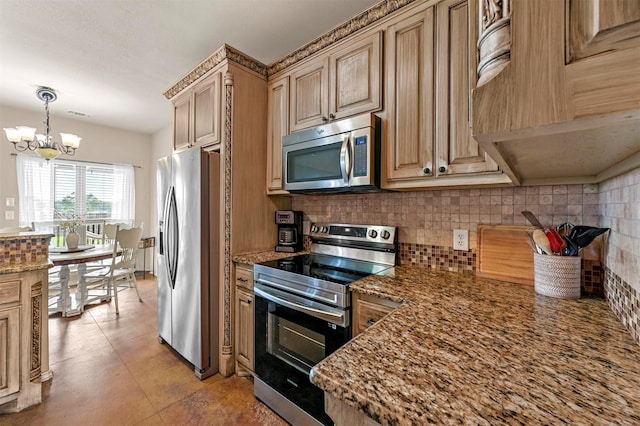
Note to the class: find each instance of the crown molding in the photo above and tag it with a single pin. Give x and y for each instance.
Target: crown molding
(224, 53)
(362, 20)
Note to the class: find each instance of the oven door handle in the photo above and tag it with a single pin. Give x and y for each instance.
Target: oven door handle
(335, 318)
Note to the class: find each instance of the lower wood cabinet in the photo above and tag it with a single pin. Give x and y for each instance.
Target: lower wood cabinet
(23, 339)
(244, 319)
(367, 310)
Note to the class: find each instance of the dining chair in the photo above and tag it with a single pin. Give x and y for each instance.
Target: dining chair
(122, 269)
(107, 236)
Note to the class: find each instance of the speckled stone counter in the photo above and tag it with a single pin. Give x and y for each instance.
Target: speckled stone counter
(262, 256)
(467, 350)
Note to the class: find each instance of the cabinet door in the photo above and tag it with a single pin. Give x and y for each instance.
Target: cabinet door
(309, 103)
(457, 151)
(355, 78)
(206, 111)
(599, 26)
(9, 351)
(367, 310)
(277, 127)
(244, 328)
(410, 98)
(182, 121)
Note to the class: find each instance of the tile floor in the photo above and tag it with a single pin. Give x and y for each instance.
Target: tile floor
(112, 370)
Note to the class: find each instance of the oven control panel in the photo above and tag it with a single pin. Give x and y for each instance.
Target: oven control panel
(360, 233)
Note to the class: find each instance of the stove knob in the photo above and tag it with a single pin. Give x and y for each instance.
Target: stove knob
(314, 228)
(325, 230)
(373, 233)
(385, 234)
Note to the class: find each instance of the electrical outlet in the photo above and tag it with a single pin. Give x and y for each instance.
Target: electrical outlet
(461, 239)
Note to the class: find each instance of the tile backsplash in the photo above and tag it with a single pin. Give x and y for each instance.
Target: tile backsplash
(429, 217)
(619, 209)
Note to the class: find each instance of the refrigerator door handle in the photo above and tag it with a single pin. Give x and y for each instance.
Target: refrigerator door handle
(171, 236)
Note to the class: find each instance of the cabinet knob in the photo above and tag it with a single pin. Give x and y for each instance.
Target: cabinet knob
(249, 302)
(371, 321)
(325, 119)
(332, 116)
(426, 170)
(442, 169)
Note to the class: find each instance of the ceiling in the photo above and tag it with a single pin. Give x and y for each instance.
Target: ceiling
(112, 60)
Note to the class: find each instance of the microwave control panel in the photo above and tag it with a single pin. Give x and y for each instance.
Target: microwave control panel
(360, 157)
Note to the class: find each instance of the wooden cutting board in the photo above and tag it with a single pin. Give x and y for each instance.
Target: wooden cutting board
(503, 253)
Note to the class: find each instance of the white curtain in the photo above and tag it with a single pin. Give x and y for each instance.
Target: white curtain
(123, 201)
(35, 189)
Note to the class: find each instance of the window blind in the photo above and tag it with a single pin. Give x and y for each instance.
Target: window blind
(95, 192)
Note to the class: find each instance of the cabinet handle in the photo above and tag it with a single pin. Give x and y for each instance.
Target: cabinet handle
(442, 169)
(243, 280)
(371, 321)
(331, 116)
(426, 170)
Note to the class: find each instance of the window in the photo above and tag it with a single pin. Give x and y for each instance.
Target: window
(96, 192)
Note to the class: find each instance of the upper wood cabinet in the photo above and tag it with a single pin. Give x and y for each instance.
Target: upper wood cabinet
(558, 81)
(355, 77)
(599, 26)
(343, 81)
(409, 142)
(309, 94)
(457, 152)
(277, 127)
(197, 114)
(430, 74)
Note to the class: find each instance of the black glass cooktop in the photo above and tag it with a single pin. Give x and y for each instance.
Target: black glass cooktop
(336, 269)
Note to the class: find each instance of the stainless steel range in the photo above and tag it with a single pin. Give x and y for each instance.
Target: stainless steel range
(303, 312)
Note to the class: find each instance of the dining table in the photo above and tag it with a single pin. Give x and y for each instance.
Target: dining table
(64, 257)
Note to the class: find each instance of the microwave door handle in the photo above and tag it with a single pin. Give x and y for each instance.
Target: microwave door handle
(345, 160)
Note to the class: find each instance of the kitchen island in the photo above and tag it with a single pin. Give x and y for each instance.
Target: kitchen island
(467, 350)
(24, 338)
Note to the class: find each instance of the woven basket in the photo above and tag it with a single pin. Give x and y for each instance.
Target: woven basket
(557, 276)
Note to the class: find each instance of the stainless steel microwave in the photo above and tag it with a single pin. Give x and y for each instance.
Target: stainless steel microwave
(340, 156)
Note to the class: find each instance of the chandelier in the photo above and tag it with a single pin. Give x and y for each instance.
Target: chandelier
(24, 137)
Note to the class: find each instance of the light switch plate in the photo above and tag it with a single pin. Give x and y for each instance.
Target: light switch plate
(8, 215)
(10, 202)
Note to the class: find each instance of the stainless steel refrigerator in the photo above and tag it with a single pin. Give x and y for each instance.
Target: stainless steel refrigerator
(188, 185)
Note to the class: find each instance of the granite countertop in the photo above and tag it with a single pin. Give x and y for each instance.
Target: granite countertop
(24, 235)
(23, 267)
(468, 350)
(263, 256)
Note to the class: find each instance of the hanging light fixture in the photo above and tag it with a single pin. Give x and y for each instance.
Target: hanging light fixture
(24, 137)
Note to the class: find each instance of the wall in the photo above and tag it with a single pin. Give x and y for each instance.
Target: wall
(426, 219)
(99, 143)
(619, 209)
(161, 146)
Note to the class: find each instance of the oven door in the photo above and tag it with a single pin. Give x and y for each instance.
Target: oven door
(288, 343)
